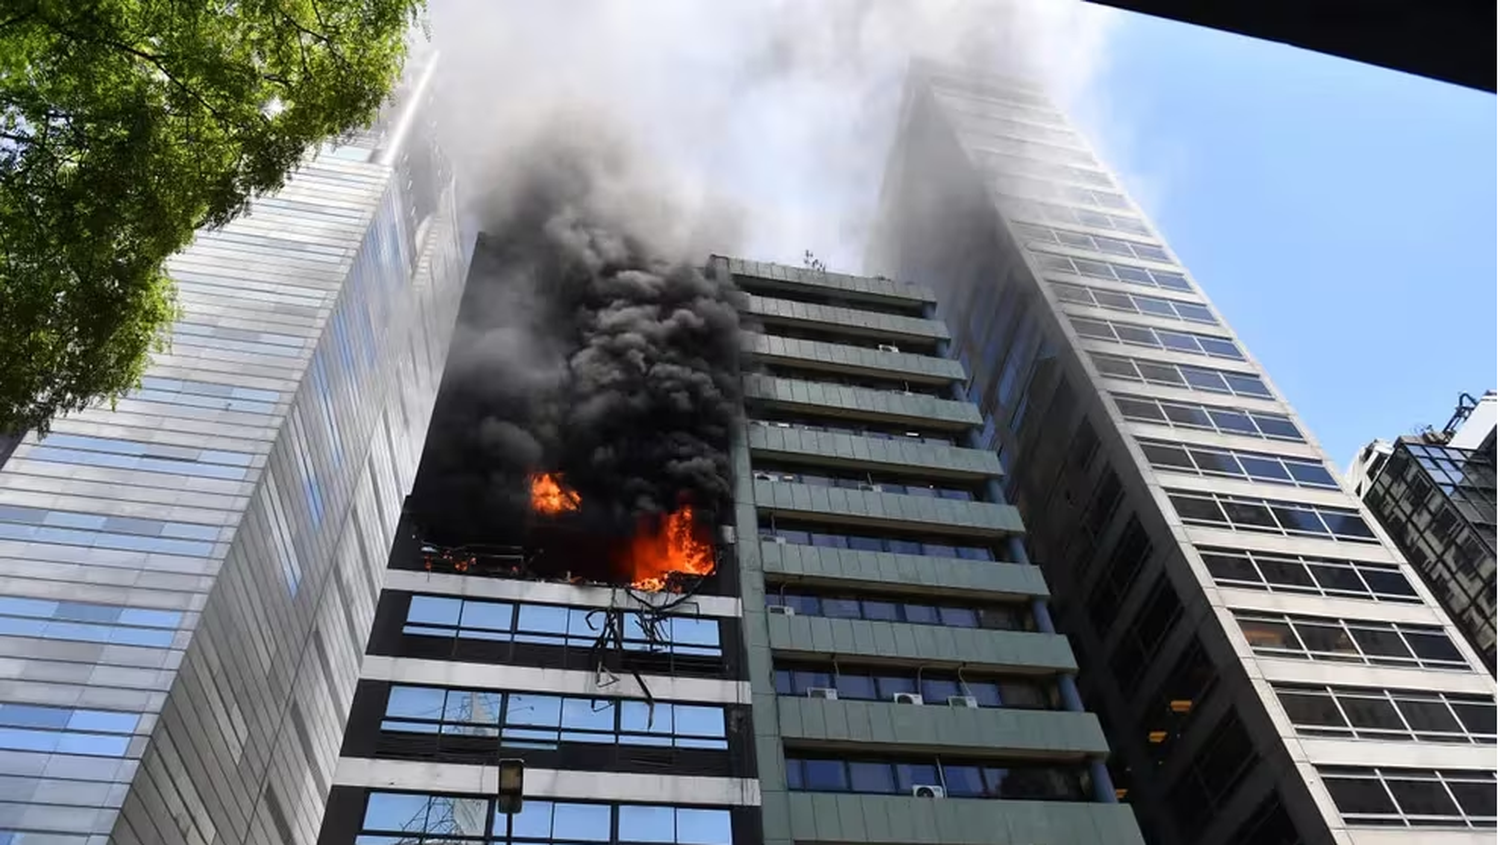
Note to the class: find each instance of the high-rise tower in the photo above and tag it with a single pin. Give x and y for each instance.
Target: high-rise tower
(1268, 668)
(872, 661)
(187, 580)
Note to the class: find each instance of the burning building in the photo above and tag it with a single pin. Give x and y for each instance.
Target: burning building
(795, 516)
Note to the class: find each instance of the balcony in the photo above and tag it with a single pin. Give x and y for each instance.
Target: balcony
(928, 646)
(878, 726)
(770, 276)
(934, 576)
(890, 327)
(835, 505)
(836, 449)
(898, 820)
(854, 360)
(861, 403)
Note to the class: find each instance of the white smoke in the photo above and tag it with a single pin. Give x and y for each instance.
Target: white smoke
(763, 124)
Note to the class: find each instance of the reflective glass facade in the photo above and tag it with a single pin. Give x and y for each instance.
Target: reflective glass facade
(1202, 554)
(186, 580)
(1437, 502)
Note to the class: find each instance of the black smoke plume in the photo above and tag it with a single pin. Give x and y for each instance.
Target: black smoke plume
(583, 349)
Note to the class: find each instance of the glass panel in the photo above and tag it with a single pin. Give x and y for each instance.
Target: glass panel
(1189, 415)
(1288, 573)
(1346, 524)
(1137, 409)
(1359, 795)
(959, 617)
(415, 703)
(1161, 373)
(1249, 514)
(1311, 474)
(1276, 426)
(1298, 520)
(1422, 797)
(857, 687)
(1429, 716)
(431, 610)
(1478, 717)
(1166, 456)
(1337, 578)
(1231, 568)
(963, 781)
(1262, 633)
(1325, 638)
(1311, 708)
(647, 824)
(490, 616)
(395, 812)
(1380, 641)
(1204, 380)
(538, 710)
(872, 777)
(1371, 713)
(1433, 646)
(825, 775)
(703, 827)
(1194, 508)
(1476, 799)
(1264, 469)
(1387, 582)
(915, 774)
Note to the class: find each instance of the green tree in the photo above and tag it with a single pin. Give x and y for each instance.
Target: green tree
(127, 124)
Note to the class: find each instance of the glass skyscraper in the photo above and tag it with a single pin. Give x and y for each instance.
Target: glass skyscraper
(1268, 668)
(187, 580)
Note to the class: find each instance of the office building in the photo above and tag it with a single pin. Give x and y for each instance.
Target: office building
(872, 660)
(187, 580)
(1268, 668)
(1434, 493)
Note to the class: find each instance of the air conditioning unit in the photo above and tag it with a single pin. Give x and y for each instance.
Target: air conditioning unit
(926, 791)
(886, 347)
(781, 610)
(968, 701)
(780, 540)
(826, 693)
(907, 698)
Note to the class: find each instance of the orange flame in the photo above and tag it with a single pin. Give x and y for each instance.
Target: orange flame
(548, 495)
(674, 545)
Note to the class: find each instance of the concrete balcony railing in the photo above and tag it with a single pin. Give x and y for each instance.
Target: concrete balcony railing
(930, 646)
(836, 449)
(933, 728)
(835, 505)
(767, 275)
(854, 360)
(901, 820)
(861, 403)
(909, 574)
(891, 327)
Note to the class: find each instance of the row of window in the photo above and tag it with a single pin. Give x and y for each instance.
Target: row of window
(1284, 573)
(1035, 234)
(1390, 714)
(1412, 797)
(238, 340)
(66, 730)
(872, 543)
(1238, 463)
(95, 623)
(1110, 271)
(1154, 338)
(148, 457)
(71, 528)
(524, 719)
(1015, 781)
(936, 688)
(979, 92)
(1151, 306)
(1180, 375)
(1004, 163)
(854, 482)
(1339, 640)
(857, 431)
(1051, 213)
(204, 394)
(1009, 144)
(1007, 102)
(979, 113)
(547, 624)
(1183, 414)
(1043, 189)
(1247, 513)
(1014, 617)
(452, 820)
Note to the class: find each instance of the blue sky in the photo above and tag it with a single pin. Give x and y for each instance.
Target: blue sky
(1341, 216)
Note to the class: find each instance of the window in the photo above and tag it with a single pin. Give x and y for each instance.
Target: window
(1047, 236)
(546, 624)
(389, 815)
(1151, 306)
(1180, 375)
(959, 778)
(1140, 640)
(1226, 756)
(1017, 692)
(1407, 715)
(1180, 414)
(857, 430)
(1268, 825)
(1004, 165)
(1129, 555)
(545, 721)
(204, 394)
(1178, 698)
(871, 543)
(1282, 573)
(106, 532)
(1112, 272)
(96, 623)
(1001, 617)
(1052, 213)
(1237, 463)
(1154, 338)
(66, 730)
(1245, 513)
(990, 142)
(1412, 797)
(1376, 643)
